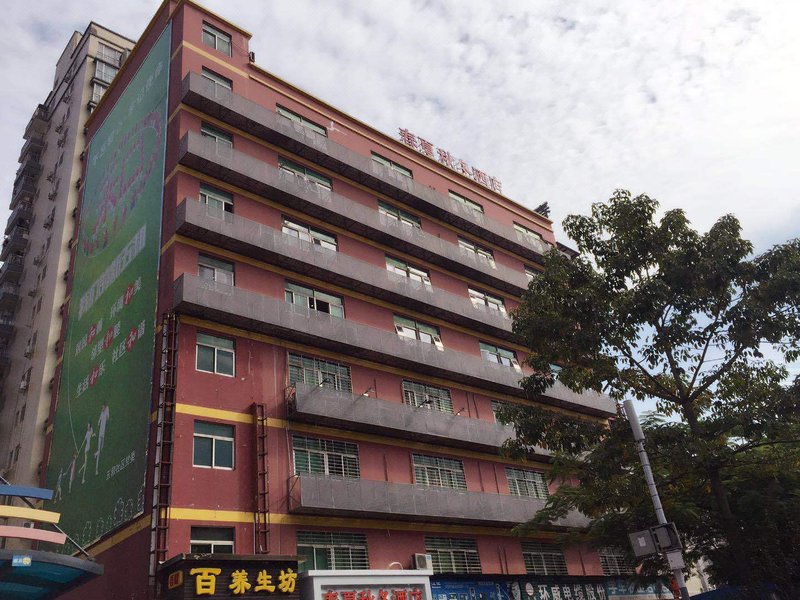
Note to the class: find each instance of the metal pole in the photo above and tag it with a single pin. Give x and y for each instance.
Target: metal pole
(638, 436)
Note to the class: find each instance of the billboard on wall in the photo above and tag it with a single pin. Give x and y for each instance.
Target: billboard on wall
(98, 453)
(528, 587)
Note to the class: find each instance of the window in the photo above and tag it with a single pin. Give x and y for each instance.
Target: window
(216, 198)
(485, 300)
(439, 472)
(528, 232)
(466, 202)
(218, 79)
(213, 445)
(219, 40)
(398, 214)
(543, 559)
(522, 482)
(314, 299)
(325, 457)
(309, 234)
(500, 356)
(325, 550)
(614, 561)
(223, 140)
(496, 405)
(391, 165)
(305, 173)
(104, 72)
(293, 116)
(414, 330)
(453, 555)
(419, 394)
(215, 355)
(317, 372)
(212, 540)
(108, 54)
(476, 249)
(403, 268)
(98, 89)
(531, 273)
(214, 269)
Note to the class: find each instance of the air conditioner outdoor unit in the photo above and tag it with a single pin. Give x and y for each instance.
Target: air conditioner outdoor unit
(28, 524)
(423, 561)
(23, 386)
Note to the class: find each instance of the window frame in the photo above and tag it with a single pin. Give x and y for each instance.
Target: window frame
(309, 234)
(303, 172)
(101, 66)
(398, 214)
(217, 266)
(95, 97)
(298, 118)
(401, 267)
(220, 197)
(429, 469)
(467, 548)
(220, 136)
(477, 249)
(338, 374)
(393, 166)
(551, 557)
(313, 299)
(108, 54)
(429, 396)
(217, 34)
(404, 326)
(219, 80)
(214, 439)
(500, 353)
(614, 561)
(336, 540)
(527, 483)
(479, 298)
(531, 273)
(338, 458)
(226, 543)
(464, 201)
(216, 349)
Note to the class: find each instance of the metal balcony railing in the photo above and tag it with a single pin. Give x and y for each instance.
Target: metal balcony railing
(11, 270)
(9, 296)
(20, 216)
(24, 189)
(16, 242)
(38, 123)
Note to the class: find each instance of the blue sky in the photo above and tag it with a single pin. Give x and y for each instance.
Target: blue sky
(694, 103)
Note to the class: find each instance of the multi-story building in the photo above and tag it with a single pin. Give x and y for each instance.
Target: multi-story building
(36, 249)
(327, 338)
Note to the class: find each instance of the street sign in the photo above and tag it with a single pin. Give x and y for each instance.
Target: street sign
(675, 559)
(642, 543)
(21, 560)
(666, 537)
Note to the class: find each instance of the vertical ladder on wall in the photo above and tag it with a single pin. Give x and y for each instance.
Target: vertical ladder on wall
(165, 418)
(261, 513)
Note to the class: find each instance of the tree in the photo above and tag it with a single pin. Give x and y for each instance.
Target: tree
(655, 310)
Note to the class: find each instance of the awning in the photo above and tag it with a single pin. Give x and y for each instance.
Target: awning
(47, 576)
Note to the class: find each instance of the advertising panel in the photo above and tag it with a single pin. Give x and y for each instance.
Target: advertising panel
(97, 458)
(529, 587)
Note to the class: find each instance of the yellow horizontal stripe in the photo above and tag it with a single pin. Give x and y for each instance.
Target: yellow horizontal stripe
(214, 413)
(122, 535)
(29, 514)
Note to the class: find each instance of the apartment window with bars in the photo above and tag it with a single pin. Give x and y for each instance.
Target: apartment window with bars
(213, 269)
(398, 214)
(438, 471)
(476, 249)
(484, 299)
(309, 234)
(318, 372)
(213, 445)
(325, 457)
(403, 268)
(293, 116)
(382, 160)
(218, 79)
(614, 561)
(496, 406)
(428, 396)
(522, 482)
(543, 559)
(303, 172)
(499, 355)
(219, 40)
(212, 540)
(216, 198)
(98, 89)
(466, 202)
(105, 72)
(414, 330)
(324, 550)
(215, 354)
(314, 299)
(223, 140)
(453, 555)
(108, 54)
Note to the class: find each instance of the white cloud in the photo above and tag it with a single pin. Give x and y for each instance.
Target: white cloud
(693, 103)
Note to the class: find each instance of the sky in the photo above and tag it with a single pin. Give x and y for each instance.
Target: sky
(693, 103)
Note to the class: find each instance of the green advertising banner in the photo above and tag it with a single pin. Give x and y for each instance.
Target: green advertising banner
(98, 454)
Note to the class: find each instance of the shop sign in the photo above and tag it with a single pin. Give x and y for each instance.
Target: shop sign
(374, 593)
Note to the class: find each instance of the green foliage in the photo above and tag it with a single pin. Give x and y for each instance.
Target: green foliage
(652, 309)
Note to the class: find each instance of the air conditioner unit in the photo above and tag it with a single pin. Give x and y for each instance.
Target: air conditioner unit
(423, 561)
(23, 386)
(28, 524)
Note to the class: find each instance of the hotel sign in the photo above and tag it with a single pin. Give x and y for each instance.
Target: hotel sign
(448, 160)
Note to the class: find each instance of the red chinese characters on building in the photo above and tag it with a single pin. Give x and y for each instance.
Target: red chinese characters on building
(448, 160)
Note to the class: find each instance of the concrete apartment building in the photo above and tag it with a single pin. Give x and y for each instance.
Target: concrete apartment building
(36, 249)
(287, 335)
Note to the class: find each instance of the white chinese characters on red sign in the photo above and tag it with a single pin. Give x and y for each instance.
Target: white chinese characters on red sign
(448, 160)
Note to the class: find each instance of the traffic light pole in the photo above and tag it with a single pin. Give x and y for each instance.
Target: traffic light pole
(674, 557)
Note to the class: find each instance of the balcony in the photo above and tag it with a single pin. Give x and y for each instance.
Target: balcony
(330, 496)
(324, 406)
(7, 326)
(34, 144)
(245, 171)
(20, 216)
(11, 270)
(237, 111)
(214, 226)
(38, 124)
(273, 316)
(24, 189)
(31, 166)
(16, 242)
(9, 296)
